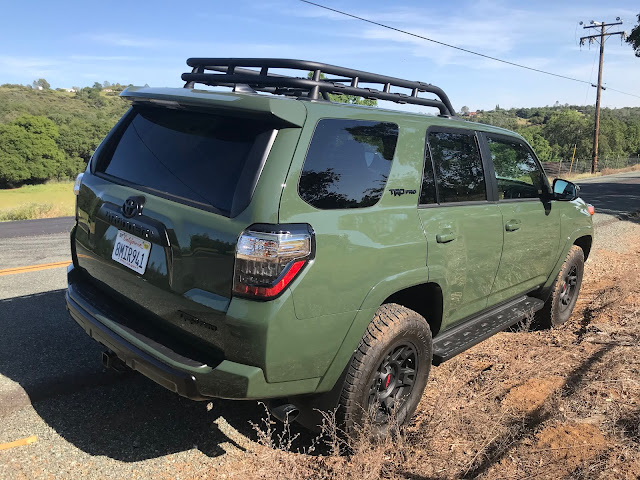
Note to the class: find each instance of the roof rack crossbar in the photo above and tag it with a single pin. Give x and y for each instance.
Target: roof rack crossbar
(233, 71)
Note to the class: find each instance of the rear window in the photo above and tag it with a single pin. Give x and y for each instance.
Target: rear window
(194, 157)
(348, 163)
(458, 167)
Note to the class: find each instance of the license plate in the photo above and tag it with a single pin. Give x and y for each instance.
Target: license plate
(131, 251)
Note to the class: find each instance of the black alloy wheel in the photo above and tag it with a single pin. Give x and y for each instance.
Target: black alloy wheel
(564, 291)
(388, 372)
(568, 288)
(393, 382)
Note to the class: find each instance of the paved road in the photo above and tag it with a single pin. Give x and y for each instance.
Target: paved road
(28, 228)
(52, 384)
(90, 423)
(616, 195)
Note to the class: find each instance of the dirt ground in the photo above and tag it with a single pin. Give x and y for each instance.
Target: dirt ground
(554, 404)
(563, 403)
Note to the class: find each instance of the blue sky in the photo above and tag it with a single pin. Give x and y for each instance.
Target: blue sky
(78, 43)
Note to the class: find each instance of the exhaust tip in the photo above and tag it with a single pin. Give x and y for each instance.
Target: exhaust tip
(286, 412)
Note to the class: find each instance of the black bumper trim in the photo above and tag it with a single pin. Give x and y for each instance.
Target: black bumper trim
(175, 380)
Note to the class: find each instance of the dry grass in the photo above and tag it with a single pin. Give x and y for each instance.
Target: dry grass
(36, 210)
(50, 200)
(563, 403)
(611, 171)
(603, 172)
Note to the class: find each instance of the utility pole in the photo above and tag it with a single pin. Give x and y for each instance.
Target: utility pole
(599, 38)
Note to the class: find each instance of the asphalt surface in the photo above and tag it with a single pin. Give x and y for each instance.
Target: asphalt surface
(45, 226)
(95, 423)
(613, 195)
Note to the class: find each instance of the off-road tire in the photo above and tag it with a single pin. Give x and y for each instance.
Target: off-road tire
(392, 327)
(555, 311)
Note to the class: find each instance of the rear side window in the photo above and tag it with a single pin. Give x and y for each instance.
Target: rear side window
(428, 187)
(189, 156)
(517, 173)
(348, 163)
(458, 167)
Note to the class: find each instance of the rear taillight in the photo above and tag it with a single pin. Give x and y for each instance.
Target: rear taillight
(269, 257)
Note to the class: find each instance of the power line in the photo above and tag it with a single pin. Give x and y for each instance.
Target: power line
(586, 95)
(624, 93)
(454, 47)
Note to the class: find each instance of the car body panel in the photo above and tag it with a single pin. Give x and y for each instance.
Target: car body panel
(527, 255)
(301, 341)
(464, 267)
(351, 241)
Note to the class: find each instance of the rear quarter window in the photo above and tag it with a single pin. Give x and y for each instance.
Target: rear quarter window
(348, 163)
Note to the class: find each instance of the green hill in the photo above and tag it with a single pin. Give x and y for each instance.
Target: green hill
(51, 134)
(553, 131)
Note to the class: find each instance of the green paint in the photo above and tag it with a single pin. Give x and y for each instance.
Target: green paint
(301, 341)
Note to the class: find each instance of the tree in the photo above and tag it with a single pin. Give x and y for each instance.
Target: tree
(28, 151)
(42, 83)
(540, 145)
(97, 86)
(91, 95)
(634, 38)
(350, 99)
(464, 110)
(79, 137)
(566, 128)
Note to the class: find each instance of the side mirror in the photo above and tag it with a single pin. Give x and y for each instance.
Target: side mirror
(565, 190)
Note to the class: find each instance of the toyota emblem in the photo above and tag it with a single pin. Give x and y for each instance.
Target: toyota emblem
(132, 206)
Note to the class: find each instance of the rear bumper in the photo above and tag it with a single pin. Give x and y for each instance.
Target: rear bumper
(173, 370)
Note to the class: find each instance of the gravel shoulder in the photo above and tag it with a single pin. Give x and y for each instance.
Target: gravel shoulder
(522, 404)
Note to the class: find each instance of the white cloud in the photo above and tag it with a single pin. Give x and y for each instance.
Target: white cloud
(30, 66)
(126, 40)
(103, 58)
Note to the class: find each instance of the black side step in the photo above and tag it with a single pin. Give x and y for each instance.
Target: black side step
(464, 336)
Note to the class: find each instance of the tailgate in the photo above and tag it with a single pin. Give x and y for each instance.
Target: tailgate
(160, 211)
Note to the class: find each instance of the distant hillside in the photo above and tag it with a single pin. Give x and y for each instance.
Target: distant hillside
(48, 134)
(553, 131)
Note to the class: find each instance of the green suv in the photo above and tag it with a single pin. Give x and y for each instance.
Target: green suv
(268, 243)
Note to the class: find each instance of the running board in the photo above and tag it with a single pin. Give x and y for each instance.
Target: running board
(464, 336)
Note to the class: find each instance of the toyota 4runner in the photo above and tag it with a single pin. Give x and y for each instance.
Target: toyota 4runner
(268, 243)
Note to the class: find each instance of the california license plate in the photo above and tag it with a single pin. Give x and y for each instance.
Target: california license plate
(131, 251)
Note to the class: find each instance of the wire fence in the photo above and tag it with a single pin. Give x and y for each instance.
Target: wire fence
(583, 165)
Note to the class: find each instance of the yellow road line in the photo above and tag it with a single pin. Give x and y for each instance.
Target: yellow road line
(19, 443)
(33, 268)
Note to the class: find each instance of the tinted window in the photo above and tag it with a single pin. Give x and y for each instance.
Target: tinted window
(348, 163)
(428, 188)
(517, 172)
(458, 165)
(194, 156)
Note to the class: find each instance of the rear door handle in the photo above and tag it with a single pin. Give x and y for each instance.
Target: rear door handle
(512, 225)
(445, 237)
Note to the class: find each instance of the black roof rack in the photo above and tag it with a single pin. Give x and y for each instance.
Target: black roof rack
(231, 73)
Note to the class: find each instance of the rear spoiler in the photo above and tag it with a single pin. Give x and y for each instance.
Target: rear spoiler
(286, 112)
